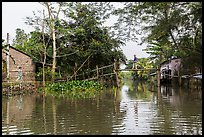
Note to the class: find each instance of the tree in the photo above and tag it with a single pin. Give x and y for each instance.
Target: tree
(79, 36)
(21, 38)
(142, 63)
(173, 27)
(88, 37)
(52, 19)
(50, 26)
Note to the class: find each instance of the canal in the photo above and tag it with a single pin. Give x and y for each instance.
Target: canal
(133, 109)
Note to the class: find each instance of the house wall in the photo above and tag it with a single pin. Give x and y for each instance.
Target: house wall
(173, 65)
(22, 60)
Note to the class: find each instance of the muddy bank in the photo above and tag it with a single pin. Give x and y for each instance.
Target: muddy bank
(15, 88)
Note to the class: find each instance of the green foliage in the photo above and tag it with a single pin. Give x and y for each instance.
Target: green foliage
(142, 63)
(74, 89)
(79, 34)
(169, 28)
(48, 75)
(21, 37)
(89, 38)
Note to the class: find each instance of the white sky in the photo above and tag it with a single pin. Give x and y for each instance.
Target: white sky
(14, 14)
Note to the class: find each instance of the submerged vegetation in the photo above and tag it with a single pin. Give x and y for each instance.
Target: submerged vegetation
(74, 89)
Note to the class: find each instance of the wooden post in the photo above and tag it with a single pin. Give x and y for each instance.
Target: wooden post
(102, 73)
(97, 72)
(158, 77)
(8, 54)
(88, 70)
(83, 76)
(75, 71)
(116, 74)
(88, 73)
(158, 95)
(179, 78)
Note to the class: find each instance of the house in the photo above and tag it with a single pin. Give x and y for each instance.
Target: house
(170, 68)
(18, 59)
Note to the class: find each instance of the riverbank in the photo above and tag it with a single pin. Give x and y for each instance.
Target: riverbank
(129, 110)
(16, 88)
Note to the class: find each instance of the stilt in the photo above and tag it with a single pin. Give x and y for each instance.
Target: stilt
(158, 77)
(97, 72)
(116, 74)
(75, 68)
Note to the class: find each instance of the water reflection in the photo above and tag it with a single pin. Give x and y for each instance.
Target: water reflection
(133, 109)
(179, 111)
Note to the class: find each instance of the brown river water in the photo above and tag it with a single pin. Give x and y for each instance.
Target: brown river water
(133, 109)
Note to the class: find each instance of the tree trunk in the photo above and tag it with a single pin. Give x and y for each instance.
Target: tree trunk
(52, 27)
(44, 60)
(54, 54)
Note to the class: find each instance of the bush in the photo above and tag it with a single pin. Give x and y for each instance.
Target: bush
(74, 89)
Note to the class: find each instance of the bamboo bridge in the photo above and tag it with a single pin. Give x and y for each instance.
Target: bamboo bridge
(98, 73)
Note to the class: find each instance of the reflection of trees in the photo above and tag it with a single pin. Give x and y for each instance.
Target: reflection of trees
(54, 116)
(138, 90)
(176, 112)
(44, 115)
(7, 117)
(163, 119)
(83, 116)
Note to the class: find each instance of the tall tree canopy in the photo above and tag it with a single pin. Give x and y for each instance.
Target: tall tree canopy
(168, 28)
(79, 35)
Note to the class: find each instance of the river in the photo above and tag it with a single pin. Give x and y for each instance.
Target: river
(133, 109)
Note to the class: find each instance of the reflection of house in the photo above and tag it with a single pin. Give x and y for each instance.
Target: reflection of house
(18, 59)
(170, 68)
(16, 111)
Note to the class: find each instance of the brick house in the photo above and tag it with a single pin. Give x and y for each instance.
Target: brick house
(20, 59)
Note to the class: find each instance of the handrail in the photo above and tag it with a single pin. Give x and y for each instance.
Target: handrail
(135, 69)
(96, 69)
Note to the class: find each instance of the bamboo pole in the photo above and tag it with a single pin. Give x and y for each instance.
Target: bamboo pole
(97, 72)
(158, 77)
(116, 74)
(179, 77)
(79, 67)
(83, 76)
(108, 74)
(135, 69)
(75, 71)
(8, 63)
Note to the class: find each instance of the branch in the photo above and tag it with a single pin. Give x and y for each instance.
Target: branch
(67, 54)
(80, 67)
(58, 11)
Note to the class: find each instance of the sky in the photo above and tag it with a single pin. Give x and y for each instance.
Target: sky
(14, 14)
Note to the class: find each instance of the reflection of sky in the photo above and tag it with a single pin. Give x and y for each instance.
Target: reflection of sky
(14, 130)
(138, 114)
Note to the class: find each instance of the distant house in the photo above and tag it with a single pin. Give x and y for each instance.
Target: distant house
(18, 59)
(170, 68)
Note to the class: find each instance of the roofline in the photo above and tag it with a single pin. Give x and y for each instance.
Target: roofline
(20, 51)
(166, 61)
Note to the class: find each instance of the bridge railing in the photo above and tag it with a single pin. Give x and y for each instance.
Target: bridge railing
(96, 73)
